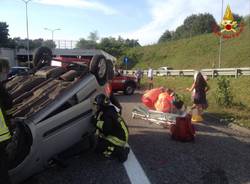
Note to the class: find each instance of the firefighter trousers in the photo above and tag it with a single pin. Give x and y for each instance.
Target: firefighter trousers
(109, 150)
(4, 176)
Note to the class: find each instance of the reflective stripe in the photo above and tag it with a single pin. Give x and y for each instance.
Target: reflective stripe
(4, 131)
(97, 132)
(123, 127)
(99, 124)
(116, 141)
(99, 116)
(111, 148)
(107, 153)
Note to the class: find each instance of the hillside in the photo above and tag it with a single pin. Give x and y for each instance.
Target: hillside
(194, 53)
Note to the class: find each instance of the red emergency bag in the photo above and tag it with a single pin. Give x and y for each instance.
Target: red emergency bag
(183, 130)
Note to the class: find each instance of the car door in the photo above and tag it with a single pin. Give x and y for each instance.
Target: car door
(118, 82)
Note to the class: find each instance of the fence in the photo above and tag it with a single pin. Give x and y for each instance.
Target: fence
(209, 72)
(65, 44)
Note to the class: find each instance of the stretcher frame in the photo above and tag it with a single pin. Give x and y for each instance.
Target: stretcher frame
(156, 117)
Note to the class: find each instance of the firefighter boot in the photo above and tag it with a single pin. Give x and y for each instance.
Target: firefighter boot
(122, 154)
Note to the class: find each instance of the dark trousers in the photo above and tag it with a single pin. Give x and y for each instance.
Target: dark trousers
(150, 83)
(109, 150)
(4, 176)
(139, 83)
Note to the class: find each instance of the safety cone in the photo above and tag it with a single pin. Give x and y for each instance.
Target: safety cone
(196, 116)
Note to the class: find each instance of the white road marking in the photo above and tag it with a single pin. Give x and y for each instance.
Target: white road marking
(134, 170)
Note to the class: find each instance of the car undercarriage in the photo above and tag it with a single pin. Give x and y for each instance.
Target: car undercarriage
(52, 111)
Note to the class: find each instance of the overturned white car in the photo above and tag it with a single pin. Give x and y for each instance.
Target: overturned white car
(52, 110)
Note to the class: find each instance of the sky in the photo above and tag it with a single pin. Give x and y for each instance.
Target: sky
(145, 20)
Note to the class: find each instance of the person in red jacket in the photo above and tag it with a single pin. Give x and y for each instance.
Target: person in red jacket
(151, 96)
(164, 102)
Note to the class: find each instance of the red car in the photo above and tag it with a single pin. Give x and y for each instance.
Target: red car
(125, 83)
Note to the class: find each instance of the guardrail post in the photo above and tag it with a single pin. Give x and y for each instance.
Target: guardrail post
(236, 73)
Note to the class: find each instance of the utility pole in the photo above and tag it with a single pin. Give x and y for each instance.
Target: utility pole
(221, 34)
(52, 32)
(27, 29)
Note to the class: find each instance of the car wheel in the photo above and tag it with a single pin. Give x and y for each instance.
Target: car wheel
(129, 88)
(99, 67)
(42, 57)
(110, 73)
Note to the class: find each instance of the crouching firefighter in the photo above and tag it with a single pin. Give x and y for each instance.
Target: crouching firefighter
(112, 130)
(5, 136)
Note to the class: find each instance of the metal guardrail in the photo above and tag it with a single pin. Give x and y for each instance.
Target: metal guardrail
(209, 72)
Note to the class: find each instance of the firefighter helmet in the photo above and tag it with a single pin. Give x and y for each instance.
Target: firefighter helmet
(101, 100)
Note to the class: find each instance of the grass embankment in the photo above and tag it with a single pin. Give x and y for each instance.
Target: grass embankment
(239, 112)
(197, 52)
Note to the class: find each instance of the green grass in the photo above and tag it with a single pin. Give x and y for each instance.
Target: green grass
(199, 52)
(240, 89)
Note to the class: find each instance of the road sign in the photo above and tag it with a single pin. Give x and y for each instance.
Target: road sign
(125, 60)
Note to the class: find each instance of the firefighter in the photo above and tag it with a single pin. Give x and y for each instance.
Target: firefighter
(5, 136)
(112, 130)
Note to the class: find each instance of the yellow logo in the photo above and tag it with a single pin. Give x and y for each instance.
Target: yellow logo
(228, 28)
(228, 24)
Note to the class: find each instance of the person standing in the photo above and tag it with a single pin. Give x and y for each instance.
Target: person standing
(5, 136)
(150, 78)
(112, 130)
(138, 76)
(199, 89)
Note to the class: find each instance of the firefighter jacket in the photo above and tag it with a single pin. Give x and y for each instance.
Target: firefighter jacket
(4, 130)
(5, 103)
(111, 126)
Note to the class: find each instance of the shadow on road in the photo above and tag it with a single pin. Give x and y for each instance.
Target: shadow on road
(135, 98)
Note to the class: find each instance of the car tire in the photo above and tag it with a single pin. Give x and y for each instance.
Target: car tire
(99, 67)
(110, 73)
(129, 88)
(42, 57)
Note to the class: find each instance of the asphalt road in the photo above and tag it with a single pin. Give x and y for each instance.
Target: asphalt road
(219, 155)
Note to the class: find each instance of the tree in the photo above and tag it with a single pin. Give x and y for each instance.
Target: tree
(247, 20)
(111, 46)
(4, 34)
(35, 43)
(86, 44)
(131, 43)
(167, 36)
(93, 36)
(199, 24)
(237, 18)
(49, 43)
(192, 25)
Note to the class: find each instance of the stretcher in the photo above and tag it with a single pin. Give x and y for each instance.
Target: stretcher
(159, 118)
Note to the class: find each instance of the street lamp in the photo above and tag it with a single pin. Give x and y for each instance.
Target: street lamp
(52, 31)
(27, 29)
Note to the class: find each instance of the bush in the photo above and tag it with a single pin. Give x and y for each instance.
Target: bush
(224, 95)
